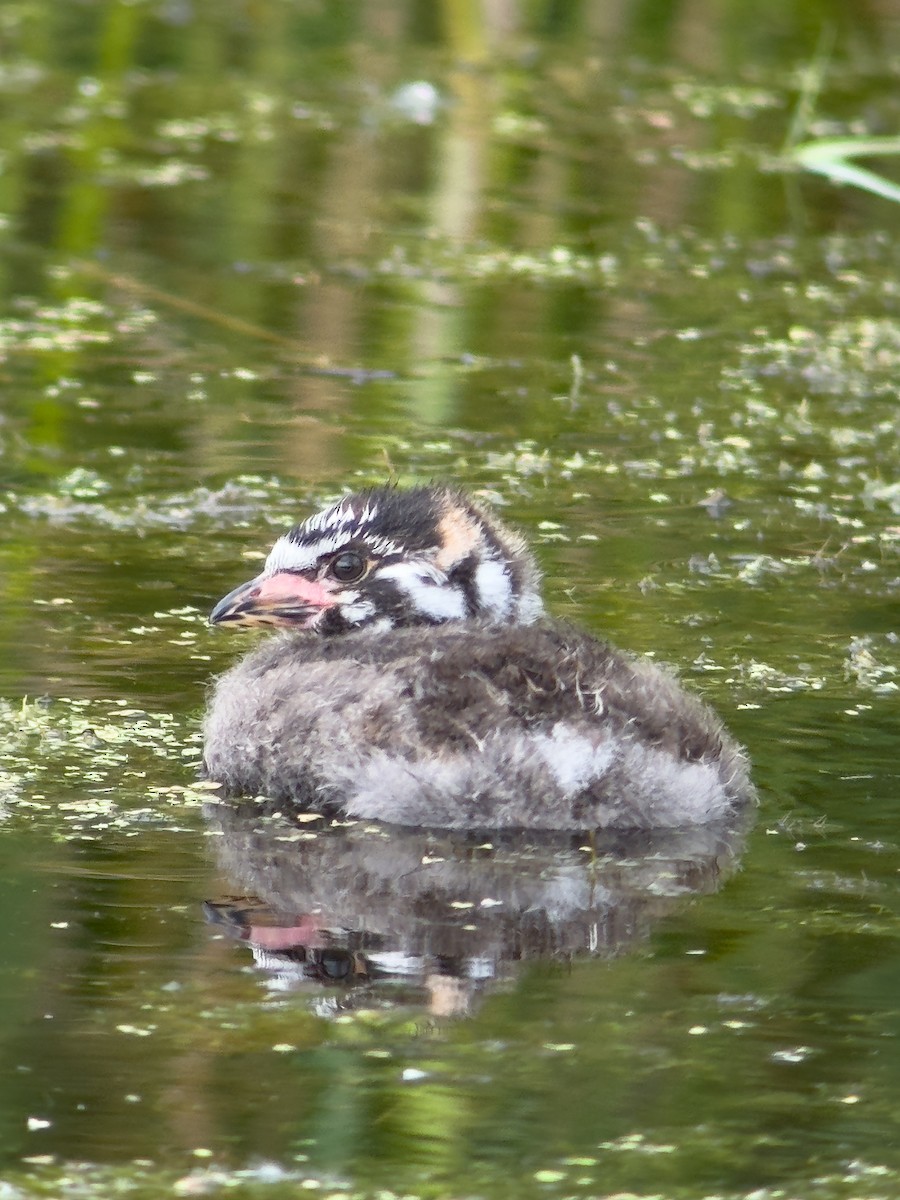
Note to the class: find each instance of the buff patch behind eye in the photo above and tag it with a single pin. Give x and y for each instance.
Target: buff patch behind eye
(458, 536)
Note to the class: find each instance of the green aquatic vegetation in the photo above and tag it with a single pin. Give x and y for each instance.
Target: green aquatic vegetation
(877, 491)
(773, 680)
(545, 266)
(69, 326)
(89, 765)
(189, 147)
(862, 665)
(853, 359)
(193, 131)
(83, 484)
(834, 158)
(235, 503)
(705, 100)
(169, 174)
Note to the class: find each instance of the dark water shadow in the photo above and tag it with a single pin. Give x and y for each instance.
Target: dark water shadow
(365, 913)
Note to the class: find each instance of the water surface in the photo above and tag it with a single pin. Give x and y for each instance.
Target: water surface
(558, 255)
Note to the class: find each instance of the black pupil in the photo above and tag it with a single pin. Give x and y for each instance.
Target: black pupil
(347, 566)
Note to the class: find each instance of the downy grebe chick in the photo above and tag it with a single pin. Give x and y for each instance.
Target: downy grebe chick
(419, 682)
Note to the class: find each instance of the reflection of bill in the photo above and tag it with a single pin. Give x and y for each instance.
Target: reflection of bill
(433, 919)
(287, 946)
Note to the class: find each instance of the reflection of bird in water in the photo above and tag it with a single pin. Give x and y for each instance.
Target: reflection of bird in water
(288, 944)
(433, 918)
(420, 683)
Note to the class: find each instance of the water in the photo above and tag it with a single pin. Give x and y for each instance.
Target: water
(248, 259)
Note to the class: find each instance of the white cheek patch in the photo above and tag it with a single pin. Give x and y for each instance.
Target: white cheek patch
(357, 611)
(493, 588)
(439, 604)
(426, 572)
(427, 589)
(413, 572)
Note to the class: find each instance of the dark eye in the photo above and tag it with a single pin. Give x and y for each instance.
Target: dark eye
(347, 567)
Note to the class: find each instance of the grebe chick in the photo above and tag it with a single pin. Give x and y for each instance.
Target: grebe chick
(416, 680)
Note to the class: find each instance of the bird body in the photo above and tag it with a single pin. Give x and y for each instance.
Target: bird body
(416, 680)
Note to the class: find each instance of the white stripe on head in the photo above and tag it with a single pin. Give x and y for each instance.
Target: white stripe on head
(382, 547)
(325, 533)
(341, 513)
(493, 588)
(369, 513)
(426, 586)
(288, 555)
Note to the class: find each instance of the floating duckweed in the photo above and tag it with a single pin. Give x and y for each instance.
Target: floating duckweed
(862, 665)
(100, 748)
(637, 1143)
(75, 502)
(705, 100)
(876, 491)
(770, 679)
(851, 359)
(755, 569)
(49, 329)
(558, 263)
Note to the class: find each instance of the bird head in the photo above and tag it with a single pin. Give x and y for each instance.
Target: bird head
(389, 558)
